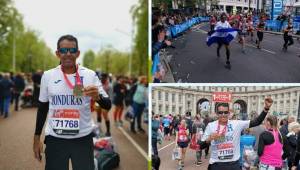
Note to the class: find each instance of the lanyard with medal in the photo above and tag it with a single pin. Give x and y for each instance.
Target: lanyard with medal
(77, 88)
(223, 131)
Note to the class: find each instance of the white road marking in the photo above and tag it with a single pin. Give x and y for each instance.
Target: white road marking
(166, 146)
(134, 143)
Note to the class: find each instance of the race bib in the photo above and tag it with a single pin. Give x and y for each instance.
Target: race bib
(225, 151)
(65, 121)
(182, 138)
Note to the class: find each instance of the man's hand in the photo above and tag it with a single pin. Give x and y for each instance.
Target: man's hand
(268, 103)
(91, 91)
(37, 148)
(215, 136)
(294, 168)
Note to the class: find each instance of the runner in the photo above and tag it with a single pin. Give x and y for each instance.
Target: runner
(224, 137)
(166, 124)
(242, 26)
(287, 36)
(119, 91)
(250, 26)
(260, 32)
(182, 141)
(198, 130)
(223, 38)
(66, 93)
(100, 111)
(212, 22)
(272, 147)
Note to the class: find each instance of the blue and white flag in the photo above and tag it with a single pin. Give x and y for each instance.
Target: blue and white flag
(224, 35)
(155, 64)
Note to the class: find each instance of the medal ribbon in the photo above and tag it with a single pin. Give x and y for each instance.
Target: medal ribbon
(223, 131)
(77, 82)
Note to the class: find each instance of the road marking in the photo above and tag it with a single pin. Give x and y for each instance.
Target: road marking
(166, 146)
(269, 51)
(134, 143)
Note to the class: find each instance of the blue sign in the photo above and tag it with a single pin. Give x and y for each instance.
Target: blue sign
(277, 8)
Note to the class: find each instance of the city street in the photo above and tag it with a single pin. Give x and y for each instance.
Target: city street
(165, 153)
(193, 61)
(17, 137)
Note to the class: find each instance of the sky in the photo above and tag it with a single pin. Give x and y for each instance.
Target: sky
(95, 23)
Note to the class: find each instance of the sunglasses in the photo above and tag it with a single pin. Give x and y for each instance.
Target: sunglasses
(65, 50)
(223, 112)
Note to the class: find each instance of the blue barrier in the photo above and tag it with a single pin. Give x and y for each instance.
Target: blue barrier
(173, 31)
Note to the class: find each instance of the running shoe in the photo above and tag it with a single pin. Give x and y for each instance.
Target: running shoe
(228, 65)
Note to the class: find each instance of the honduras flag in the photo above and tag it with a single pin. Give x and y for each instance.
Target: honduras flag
(224, 35)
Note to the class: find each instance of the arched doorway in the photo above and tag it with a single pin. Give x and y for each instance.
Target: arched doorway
(240, 109)
(203, 106)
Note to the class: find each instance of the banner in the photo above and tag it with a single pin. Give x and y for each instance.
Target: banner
(277, 8)
(224, 97)
(177, 29)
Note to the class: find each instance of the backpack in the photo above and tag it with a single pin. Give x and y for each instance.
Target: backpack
(107, 159)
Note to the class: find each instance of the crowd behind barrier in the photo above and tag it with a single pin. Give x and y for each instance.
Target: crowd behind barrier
(175, 30)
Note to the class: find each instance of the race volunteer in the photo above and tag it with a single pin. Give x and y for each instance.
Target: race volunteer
(65, 98)
(224, 137)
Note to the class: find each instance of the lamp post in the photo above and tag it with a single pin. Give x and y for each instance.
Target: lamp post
(131, 45)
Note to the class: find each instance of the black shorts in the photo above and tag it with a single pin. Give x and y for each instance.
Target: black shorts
(241, 33)
(183, 144)
(80, 150)
(166, 130)
(260, 35)
(225, 166)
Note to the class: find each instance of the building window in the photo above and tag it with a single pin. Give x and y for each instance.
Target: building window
(173, 109)
(173, 97)
(167, 109)
(180, 110)
(159, 108)
(179, 97)
(159, 95)
(167, 96)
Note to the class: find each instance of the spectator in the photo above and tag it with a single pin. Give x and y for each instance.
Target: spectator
(19, 85)
(6, 86)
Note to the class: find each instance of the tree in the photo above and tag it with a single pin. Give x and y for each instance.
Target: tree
(140, 53)
(89, 59)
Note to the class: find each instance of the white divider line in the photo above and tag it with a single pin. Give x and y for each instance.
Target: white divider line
(134, 143)
(166, 146)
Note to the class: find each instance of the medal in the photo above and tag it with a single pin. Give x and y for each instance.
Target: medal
(77, 88)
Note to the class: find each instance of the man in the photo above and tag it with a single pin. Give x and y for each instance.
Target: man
(6, 86)
(66, 93)
(36, 78)
(139, 103)
(284, 128)
(224, 137)
(19, 86)
(223, 24)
